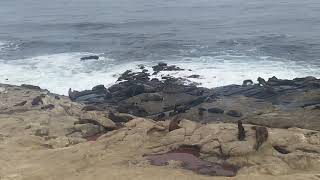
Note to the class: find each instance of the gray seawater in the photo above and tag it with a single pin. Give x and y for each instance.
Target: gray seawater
(225, 41)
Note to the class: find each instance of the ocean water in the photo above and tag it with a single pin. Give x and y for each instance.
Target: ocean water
(224, 41)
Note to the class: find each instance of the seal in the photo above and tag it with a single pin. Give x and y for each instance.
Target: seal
(261, 136)
(174, 124)
(241, 131)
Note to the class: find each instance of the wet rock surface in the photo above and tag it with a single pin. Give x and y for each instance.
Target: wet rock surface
(273, 102)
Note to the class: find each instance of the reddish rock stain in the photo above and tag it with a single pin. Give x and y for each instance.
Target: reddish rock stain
(194, 163)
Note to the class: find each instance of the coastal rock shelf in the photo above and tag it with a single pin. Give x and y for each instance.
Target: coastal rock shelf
(273, 103)
(142, 128)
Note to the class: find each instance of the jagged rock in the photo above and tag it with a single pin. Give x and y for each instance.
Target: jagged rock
(165, 67)
(134, 76)
(262, 81)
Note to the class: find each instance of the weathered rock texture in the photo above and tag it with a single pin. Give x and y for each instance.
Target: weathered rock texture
(48, 136)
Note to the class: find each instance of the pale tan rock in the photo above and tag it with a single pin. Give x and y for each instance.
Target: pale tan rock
(176, 136)
(315, 139)
(211, 148)
(40, 130)
(61, 142)
(189, 126)
(297, 161)
(88, 129)
(98, 117)
(237, 148)
(117, 154)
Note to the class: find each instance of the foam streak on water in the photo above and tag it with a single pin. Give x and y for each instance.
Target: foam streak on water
(229, 69)
(59, 72)
(2, 45)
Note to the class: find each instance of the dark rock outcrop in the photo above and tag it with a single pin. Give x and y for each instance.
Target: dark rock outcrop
(164, 67)
(261, 104)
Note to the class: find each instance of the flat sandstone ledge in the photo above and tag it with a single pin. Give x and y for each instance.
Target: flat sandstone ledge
(41, 130)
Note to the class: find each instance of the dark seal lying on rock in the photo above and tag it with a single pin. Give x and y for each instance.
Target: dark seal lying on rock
(93, 57)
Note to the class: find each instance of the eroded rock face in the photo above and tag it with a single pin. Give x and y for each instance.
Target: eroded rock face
(280, 152)
(31, 111)
(218, 143)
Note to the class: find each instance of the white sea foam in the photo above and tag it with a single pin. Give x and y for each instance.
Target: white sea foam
(228, 69)
(7, 45)
(59, 72)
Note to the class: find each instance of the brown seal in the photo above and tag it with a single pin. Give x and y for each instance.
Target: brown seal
(174, 124)
(261, 136)
(241, 131)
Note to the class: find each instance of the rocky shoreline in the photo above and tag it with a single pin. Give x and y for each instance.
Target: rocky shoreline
(162, 128)
(274, 103)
